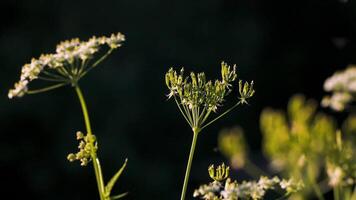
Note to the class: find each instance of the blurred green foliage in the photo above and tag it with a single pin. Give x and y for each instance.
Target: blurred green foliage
(304, 144)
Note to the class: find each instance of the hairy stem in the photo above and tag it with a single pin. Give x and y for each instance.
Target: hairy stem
(189, 165)
(95, 159)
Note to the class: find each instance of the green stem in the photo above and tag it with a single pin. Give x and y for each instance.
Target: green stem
(96, 63)
(316, 188)
(336, 193)
(180, 109)
(52, 87)
(102, 58)
(227, 111)
(353, 195)
(95, 160)
(283, 197)
(189, 165)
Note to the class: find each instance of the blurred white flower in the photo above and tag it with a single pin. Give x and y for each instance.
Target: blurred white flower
(342, 85)
(335, 175)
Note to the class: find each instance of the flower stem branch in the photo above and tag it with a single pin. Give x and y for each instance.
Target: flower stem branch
(227, 111)
(96, 163)
(52, 87)
(316, 188)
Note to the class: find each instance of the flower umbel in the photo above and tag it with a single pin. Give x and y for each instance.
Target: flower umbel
(342, 85)
(246, 91)
(87, 146)
(71, 61)
(197, 97)
(232, 190)
(220, 173)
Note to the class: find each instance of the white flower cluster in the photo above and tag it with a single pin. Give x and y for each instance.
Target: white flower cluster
(70, 62)
(335, 174)
(232, 190)
(255, 190)
(343, 87)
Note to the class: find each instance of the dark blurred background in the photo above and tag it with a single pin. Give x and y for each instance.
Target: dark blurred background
(287, 47)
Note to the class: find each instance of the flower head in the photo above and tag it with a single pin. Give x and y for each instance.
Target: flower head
(195, 91)
(291, 185)
(342, 85)
(232, 190)
(246, 91)
(219, 173)
(71, 61)
(87, 145)
(197, 97)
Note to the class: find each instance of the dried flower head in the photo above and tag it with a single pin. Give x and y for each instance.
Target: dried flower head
(71, 61)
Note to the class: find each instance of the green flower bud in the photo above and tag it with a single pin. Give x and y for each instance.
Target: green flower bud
(220, 173)
(246, 91)
(71, 157)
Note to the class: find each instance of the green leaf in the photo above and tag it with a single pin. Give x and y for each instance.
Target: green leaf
(113, 180)
(118, 196)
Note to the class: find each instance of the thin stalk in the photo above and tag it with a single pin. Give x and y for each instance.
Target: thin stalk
(180, 109)
(202, 114)
(96, 163)
(206, 117)
(227, 111)
(283, 197)
(102, 58)
(353, 195)
(316, 188)
(52, 87)
(336, 193)
(97, 62)
(56, 76)
(187, 111)
(189, 165)
(50, 79)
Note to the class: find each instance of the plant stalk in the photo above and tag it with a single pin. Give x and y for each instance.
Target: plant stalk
(95, 159)
(189, 165)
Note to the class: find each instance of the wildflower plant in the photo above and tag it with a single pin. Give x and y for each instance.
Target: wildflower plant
(224, 188)
(197, 98)
(307, 144)
(72, 60)
(304, 144)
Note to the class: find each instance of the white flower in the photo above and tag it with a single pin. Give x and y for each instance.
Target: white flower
(267, 183)
(291, 185)
(335, 175)
(115, 40)
(19, 90)
(337, 101)
(67, 65)
(343, 86)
